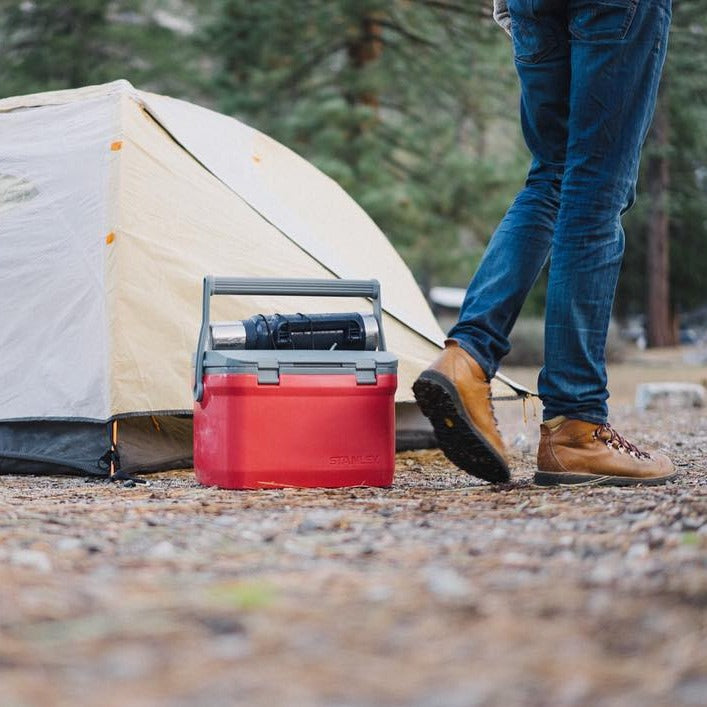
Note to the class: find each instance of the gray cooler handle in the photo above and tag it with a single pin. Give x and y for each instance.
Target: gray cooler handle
(279, 286)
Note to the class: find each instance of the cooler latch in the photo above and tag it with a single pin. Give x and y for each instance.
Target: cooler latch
(268, 373)
(366, 372)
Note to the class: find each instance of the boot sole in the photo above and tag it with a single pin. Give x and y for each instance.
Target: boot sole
(462, 443)
(565, 478)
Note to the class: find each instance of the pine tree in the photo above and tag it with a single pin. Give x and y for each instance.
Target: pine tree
(55, 44)
(394, 100)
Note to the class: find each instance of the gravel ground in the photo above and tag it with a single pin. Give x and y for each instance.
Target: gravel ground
(438, 591)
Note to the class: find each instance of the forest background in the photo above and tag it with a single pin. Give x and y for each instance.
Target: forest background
(411, 105)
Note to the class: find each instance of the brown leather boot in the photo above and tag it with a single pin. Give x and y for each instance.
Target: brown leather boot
(579, 452)
(455, 395)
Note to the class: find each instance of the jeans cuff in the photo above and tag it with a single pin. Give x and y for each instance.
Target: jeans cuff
(596, 419)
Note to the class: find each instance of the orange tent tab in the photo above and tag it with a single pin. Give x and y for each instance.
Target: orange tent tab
(110, 238)
(117, 145)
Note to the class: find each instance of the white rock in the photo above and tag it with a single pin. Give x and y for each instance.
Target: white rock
(32, 559)
(605, 573)
(164, 550)
(670, 395)
(521, 443)
(446, 583)
(638, 550)
(68, 544)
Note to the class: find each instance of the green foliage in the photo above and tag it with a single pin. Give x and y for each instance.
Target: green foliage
(411, 105)
(243, 596)
(397, 101)
(56, 44)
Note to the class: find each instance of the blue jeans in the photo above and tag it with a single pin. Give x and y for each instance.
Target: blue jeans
(589, 73)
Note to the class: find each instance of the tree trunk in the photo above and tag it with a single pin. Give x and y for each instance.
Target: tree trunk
(365, 47)
(661, 329)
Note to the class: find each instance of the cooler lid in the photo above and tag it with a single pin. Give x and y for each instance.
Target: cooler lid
(268, 365)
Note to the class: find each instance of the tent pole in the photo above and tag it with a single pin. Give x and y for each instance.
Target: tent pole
(113, 445)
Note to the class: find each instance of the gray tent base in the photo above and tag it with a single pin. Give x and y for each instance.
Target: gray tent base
(145, 444)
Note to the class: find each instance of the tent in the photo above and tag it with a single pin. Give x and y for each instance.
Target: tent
(114, 203)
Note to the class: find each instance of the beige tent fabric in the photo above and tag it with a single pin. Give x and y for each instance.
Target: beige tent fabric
(176, 222)
(72, 95)
(304, 204)
(161, 218)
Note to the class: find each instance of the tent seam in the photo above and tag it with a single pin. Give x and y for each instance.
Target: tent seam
(155, 117)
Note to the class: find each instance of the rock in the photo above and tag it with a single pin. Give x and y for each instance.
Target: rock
(309, 525)
(446, 583)
(516, 559)
(604, 573)
(128, 662)
(31, 559)
(692, 523)
(638, 550)
(162, 551)
(656, 538)
(230, 647)
(322, 519)
(651, 396)
(521, 443)
(69, 544)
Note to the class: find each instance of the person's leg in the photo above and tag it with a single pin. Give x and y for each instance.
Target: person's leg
(520, 245)
(510, 265)
(454, 391)
(617, 53)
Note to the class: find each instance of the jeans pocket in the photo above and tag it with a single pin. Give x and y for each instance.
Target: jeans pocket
(532, 39)
(601, 19)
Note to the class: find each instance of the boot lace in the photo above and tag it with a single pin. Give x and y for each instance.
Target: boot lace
(613, 439)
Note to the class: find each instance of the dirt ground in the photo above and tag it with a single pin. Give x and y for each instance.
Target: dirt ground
(440, 591)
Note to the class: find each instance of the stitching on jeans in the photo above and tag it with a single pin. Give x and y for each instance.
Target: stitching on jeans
(630, 9)
(629, 18)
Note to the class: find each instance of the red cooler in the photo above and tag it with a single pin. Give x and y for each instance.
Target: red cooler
(304, 418)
